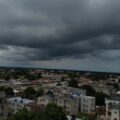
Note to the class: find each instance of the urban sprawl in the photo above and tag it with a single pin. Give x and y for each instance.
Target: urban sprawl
(81, 95)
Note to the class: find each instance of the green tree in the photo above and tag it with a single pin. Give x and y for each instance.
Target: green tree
(29, 92)
(7, 77)
(2, 88)
(23, 115)
(73, 75)
(100, 98)
(73, 83)
(9, 91)
(89, 90)
(38, 76)
(54, 112)
(40, 92)
(116, 85)
(84, 116)
(51, 112)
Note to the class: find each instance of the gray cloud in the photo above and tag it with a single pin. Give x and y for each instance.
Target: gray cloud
(59, 29)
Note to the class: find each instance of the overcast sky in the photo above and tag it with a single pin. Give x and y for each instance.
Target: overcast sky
(67, 34)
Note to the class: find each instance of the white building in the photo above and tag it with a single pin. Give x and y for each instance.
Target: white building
(72, 104)
(113, 108)
(17, 103)
(109, 90)
(87, 104)
(55, 77)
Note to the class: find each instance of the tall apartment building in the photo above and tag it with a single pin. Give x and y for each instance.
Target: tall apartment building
(87, 104)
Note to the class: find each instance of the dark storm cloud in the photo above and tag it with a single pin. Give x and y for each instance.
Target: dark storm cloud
(55, 29)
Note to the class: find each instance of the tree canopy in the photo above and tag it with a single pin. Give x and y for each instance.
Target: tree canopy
(54, 112)
(29, 92)
(40, 92)
(51, 112)
(100, 98)
(89, 90)
(23, 115)
(73, 83)
(9, 91)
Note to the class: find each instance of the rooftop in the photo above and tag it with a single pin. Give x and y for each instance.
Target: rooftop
(20, 100)
(115, 97)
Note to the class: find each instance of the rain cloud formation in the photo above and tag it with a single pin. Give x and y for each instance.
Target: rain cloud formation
(66, 34)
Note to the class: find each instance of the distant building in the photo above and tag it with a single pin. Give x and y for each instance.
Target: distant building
(109, 90)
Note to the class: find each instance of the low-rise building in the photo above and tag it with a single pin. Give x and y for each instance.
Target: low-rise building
(17, 103)
(109, 90)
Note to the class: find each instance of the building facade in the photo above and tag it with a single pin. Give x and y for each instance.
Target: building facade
(87, 104)
(72, 104)
(17, 103)
(113, 108)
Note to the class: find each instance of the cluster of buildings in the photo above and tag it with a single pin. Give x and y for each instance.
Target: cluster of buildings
(71, 99)
(57, 91)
